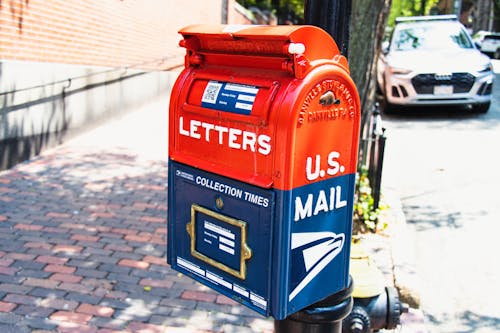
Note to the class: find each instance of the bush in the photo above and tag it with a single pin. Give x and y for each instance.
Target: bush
(366, 218)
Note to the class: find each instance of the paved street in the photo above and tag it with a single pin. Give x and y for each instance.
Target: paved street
(444, 163)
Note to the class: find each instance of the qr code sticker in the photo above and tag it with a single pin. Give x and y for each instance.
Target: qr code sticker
(211, 92)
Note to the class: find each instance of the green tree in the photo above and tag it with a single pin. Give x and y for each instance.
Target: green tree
(410, 8)
(368, 22)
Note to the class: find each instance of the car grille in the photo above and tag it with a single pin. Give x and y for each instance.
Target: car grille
(461, 82)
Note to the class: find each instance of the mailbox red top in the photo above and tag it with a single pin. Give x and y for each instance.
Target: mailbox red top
(261, 40)
(272, 106)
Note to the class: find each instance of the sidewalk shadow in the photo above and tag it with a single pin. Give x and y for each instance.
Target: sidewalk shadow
(101, 217)
(471, 322)
(431, 217)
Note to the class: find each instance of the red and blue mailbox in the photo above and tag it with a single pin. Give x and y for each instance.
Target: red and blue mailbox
(263, 140)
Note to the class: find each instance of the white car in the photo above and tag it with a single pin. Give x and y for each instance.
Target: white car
(432, 60)
(488, 42)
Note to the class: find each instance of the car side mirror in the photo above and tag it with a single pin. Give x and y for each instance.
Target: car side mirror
(385, 47)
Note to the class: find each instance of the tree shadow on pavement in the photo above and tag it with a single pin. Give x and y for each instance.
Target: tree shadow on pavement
(83, 248)
(431, 217)
(470, 322)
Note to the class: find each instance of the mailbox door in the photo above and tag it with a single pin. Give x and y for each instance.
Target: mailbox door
(219, 233)
(221, 123)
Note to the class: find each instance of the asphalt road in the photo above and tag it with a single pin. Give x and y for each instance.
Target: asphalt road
(444, 163)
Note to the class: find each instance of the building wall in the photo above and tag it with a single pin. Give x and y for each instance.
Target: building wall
(67, 64)
(99, 32)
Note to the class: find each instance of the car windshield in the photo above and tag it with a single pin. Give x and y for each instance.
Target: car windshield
(431, 37)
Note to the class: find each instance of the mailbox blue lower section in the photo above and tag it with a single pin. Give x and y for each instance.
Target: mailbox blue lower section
(306, 261)
(218, 240)
(317, 219)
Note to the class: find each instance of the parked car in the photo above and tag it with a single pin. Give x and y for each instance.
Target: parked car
(488, 42)
(431, 60)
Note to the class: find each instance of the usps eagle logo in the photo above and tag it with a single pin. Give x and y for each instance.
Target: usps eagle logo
(314, 250)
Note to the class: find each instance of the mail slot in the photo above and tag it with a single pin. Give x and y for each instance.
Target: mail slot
(263, 137)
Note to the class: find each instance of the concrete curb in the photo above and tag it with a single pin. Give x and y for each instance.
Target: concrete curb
(406, 279)
(391, 250)
(403, 257)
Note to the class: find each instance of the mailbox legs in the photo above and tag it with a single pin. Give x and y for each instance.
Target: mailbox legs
(323, 317)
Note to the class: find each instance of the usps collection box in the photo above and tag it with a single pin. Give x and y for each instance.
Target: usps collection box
(263, 136)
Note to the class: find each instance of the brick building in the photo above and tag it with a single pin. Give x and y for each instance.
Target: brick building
(65, 64)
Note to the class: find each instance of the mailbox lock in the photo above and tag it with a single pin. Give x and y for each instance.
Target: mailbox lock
(219, 203)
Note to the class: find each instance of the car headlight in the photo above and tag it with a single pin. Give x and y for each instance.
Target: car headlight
(399, 70)
(487, 68)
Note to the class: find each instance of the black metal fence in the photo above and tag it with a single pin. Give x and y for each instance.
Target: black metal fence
(371, 154)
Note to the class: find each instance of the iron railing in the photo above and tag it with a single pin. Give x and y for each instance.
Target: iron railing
(371, 154)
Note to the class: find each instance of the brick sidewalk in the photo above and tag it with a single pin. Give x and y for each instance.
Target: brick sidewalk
(83, 241)
(83, 250)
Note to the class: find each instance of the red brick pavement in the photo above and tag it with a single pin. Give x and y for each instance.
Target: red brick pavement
(82, 249)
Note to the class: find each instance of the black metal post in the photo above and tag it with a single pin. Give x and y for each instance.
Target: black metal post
(224, 12)
(275, 4)
(326, 316)
(380, 164)
(333, 16)
(323, 317)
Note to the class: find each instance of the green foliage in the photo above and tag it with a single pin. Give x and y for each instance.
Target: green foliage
(366, 217)
(410, 8)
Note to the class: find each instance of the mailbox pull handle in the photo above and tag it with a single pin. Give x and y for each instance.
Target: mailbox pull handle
(329, 98)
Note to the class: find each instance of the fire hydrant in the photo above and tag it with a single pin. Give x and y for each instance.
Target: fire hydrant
(376, 306)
